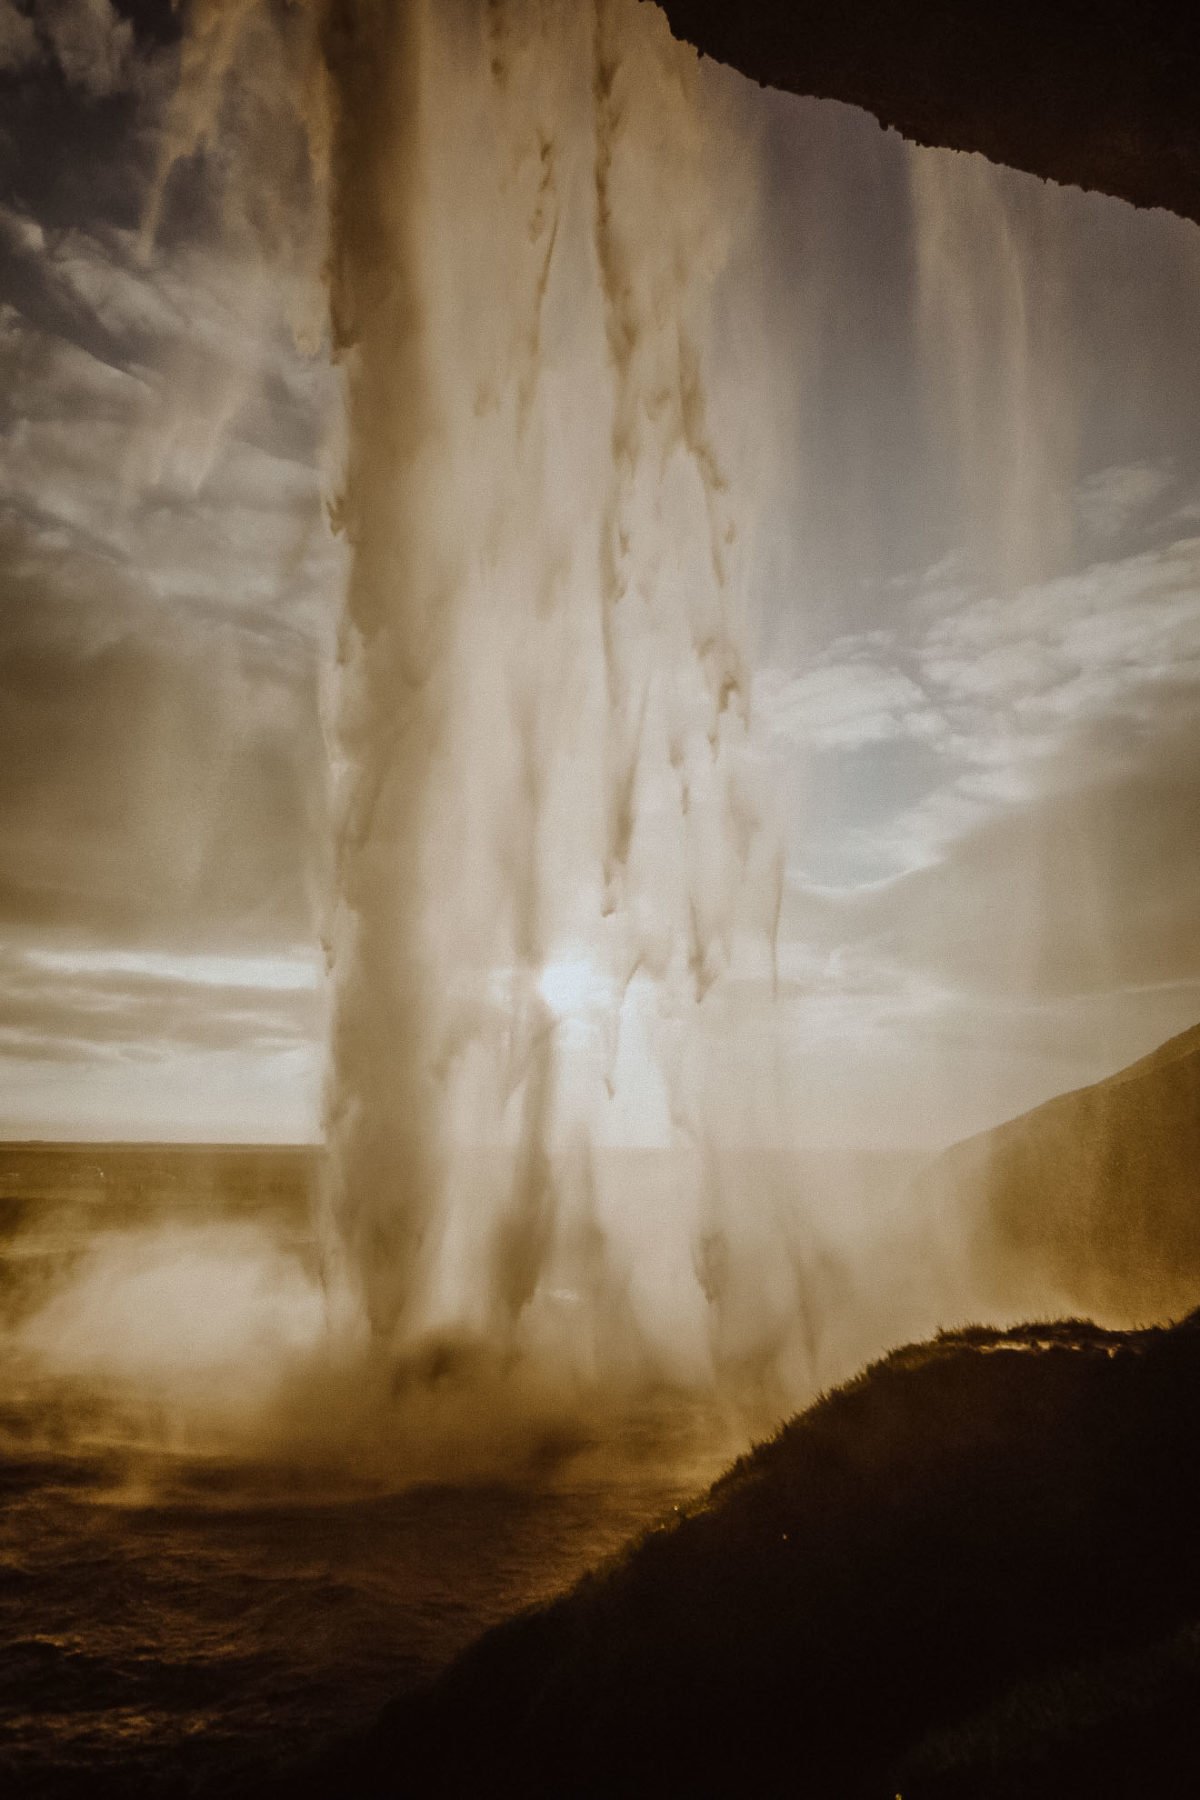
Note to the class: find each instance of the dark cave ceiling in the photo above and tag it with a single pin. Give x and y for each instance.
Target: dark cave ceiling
(1103, 94)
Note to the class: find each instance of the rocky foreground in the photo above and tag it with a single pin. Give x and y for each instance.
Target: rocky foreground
(974, 1571)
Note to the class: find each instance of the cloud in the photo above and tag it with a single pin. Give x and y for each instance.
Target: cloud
(167, 592)
(1088, 884)
(1004, 802)
(1112, 499)
(19, 46)
(92, 43)
(995, 677)
(845, 703)
(168, 588)
(81, 1010)
(922, 737)
(1042, 650)
(198, 326)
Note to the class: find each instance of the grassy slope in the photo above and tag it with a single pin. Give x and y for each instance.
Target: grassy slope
(842, 1609)
(1093, 1197)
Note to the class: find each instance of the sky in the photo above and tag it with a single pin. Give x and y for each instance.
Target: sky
(978, 581)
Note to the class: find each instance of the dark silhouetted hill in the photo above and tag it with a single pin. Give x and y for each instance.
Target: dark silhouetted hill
(973, 1571)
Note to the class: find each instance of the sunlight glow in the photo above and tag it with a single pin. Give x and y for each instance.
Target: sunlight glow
(572, 985)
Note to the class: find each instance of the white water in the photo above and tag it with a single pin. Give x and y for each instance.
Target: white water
(555, 849)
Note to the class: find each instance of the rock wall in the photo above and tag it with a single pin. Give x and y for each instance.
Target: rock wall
(1095, 93)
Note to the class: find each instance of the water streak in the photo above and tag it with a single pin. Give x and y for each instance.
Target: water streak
(545, 721)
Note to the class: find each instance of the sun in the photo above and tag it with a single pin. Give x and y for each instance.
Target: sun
(572, 985)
